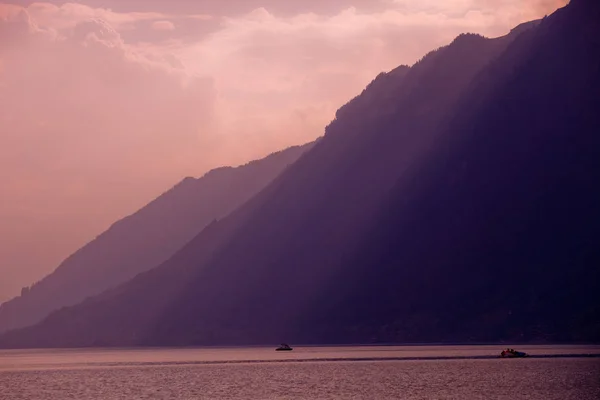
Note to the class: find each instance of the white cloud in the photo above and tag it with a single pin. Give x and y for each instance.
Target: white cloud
(67, 15)
(163, 25)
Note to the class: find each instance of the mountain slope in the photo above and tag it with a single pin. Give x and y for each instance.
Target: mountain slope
(495, 234)
(424, 214)
(146, 238)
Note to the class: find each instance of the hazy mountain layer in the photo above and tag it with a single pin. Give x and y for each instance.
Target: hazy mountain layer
(146, 238)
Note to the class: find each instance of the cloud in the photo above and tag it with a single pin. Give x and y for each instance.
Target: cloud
(67, 15)
(91, 81)
(163, 26)
(90, 129)
(268, 67)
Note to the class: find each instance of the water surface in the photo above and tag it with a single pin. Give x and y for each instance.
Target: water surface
(382, 372)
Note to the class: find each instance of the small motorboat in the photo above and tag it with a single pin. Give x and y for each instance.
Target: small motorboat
(512, 353)
(284, 347)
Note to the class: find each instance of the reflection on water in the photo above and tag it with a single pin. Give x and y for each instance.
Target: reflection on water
(410, 372)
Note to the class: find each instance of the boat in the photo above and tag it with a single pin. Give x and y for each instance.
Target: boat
(284, 347)
(512, 353)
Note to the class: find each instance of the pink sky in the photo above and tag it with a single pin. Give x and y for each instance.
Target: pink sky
(106, 104)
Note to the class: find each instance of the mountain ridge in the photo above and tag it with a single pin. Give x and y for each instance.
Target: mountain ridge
(151, 235)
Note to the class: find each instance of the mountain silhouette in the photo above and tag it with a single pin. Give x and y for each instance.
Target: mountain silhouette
(146, 238)
(454, 200)
(492, 236)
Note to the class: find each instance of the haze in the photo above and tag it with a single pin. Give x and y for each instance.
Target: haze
(106, 104)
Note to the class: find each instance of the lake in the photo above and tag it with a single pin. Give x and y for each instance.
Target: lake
(358, 372)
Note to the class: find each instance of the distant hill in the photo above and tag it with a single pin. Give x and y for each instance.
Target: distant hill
(146, 238)
(455, 200)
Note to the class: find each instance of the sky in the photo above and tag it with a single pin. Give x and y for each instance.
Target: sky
(104, 105)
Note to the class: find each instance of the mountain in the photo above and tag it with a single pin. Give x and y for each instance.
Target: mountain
(493, 236)
(454, 200)
(146, 238)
